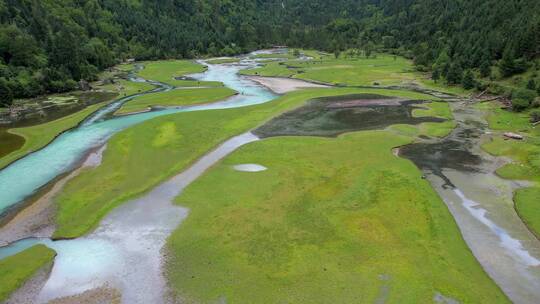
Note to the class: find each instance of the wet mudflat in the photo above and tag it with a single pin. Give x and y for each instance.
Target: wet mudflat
(482, 203)
(10, 142)
(452, 153)
(331, 116)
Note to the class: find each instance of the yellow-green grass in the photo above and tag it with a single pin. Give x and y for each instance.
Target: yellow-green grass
(178, 97)
(127, 88)
(125, 67)
(525, 155)
(15, 270)
(165, 71)
(223, 60)
(435, 109)
(331, 221)
(382, 69)
(36, 137)
(440, 86)
(141, 157)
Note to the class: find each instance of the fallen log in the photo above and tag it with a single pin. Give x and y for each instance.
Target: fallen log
(513, 135)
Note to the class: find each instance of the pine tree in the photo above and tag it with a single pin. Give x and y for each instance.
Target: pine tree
(455, 73)
(531, 84)
(468, 81)
(485, 69)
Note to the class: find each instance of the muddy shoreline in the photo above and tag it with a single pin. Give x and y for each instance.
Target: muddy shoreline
(35, 217)
(481, 202)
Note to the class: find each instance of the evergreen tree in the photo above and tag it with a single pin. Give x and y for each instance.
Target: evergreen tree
(531, 84)
(485, 69)
(455, 73)
(468, 81)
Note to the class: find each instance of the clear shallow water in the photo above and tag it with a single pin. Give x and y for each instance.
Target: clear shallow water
(25, 176)
(124, 251)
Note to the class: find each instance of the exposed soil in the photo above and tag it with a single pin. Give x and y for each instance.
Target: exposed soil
(281, 85)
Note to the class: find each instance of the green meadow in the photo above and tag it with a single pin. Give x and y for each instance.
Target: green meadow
(330, 219)
(525, 155)
(379, 70)
(166, 70)
(142, 156)
(176, 97)
(15, 270)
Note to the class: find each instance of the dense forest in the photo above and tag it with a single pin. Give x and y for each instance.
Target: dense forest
(49, 45)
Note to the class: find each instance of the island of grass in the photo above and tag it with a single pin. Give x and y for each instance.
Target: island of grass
(378, 70)
(176, 97)
(173, 72)
(142, 156)
(526, 159)
(126, 88)
(223, 60)
(15, 270)
(331, 218)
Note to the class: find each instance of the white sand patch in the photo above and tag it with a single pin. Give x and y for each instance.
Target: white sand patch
(250, 168)
(284, 85)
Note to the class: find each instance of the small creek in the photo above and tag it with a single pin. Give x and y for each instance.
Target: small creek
(123, 252)
(482, 203)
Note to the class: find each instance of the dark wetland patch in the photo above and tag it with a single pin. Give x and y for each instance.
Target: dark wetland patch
(9, 142)
(454, 153)
(331, 116)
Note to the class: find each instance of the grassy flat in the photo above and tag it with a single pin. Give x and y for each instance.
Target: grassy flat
(18, 268)
(178, 97)
(526, 159)
(142, 156)
(165, 71)
(223, 60)
(36, 137)
(436, 109)
(384, 70)
(330, 219)
(126, 87)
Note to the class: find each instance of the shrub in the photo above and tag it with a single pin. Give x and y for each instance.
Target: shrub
(522, 99)
(535, 116)
(520, 104)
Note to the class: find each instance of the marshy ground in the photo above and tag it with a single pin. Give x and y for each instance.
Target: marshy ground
(324, 208)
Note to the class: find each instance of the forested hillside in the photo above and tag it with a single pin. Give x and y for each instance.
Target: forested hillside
(48, 45)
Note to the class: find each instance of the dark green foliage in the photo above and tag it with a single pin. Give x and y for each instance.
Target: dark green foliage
(509, 65)
(522, 99)
(468, 81)
(535, 116)
(485, 69)
(48, 45)
(455, 74)
(531, 84)
(436, 75)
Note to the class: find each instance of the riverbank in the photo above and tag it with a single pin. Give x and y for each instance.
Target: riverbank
(524, 155)
(37, 220)
(19, 268)
(481, 202)
(37, 137)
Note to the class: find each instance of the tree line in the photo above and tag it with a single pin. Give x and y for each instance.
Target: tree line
(49, 45)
